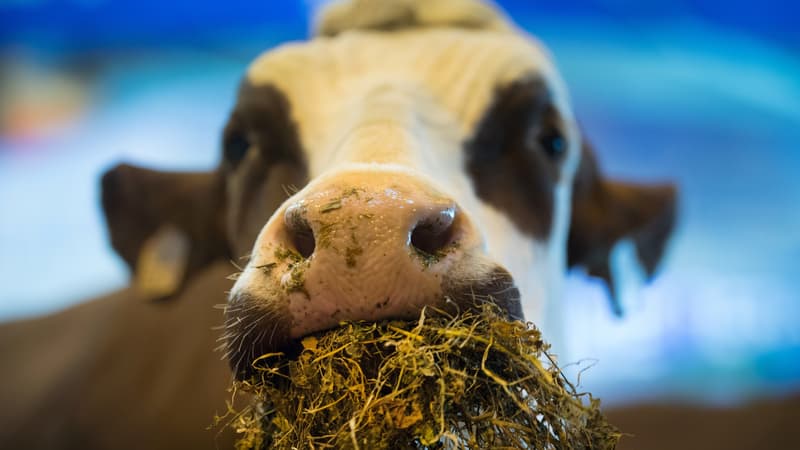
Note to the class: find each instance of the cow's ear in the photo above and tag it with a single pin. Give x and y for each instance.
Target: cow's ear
(165, 225)
(605, 212)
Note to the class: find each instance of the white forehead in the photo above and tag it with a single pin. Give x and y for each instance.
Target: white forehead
(448, 75)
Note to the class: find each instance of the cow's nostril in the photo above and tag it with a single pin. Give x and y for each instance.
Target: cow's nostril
(300, 232)
(434, 233)
(303, 240)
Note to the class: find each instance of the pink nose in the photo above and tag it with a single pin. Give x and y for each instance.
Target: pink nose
(361, 247)
(418, 224)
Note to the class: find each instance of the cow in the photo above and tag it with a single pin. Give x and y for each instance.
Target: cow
(410, 154)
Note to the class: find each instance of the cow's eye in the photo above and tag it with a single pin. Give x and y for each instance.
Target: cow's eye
(553, 143)
(236, 147)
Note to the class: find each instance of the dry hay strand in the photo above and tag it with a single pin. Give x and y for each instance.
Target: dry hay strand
(472, 381)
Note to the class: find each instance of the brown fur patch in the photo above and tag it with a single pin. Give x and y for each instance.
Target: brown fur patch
(509, 168)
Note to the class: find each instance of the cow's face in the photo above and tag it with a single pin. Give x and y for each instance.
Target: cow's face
(423, 166)
(440, 164)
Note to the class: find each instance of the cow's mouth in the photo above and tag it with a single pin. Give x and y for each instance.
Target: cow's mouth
(256, 332)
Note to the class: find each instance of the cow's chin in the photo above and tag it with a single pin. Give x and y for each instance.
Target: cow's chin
(256, 326)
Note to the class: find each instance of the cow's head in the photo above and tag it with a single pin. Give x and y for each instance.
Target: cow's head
(429, 157)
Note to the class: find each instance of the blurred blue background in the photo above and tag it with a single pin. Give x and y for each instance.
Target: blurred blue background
(705, 93)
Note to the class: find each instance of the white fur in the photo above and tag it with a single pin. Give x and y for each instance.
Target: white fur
(349, 14)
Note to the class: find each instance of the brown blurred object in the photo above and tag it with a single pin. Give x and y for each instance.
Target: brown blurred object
(119, 373)
(763, 425)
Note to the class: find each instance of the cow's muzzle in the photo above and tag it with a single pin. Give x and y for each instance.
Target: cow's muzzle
(361, 246)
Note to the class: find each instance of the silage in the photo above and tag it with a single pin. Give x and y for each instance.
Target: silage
(473, 381)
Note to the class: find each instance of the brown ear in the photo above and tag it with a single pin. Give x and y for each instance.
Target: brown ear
(165, 225)
(605, 212)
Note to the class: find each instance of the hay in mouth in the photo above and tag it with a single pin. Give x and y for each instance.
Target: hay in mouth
(473, 381)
